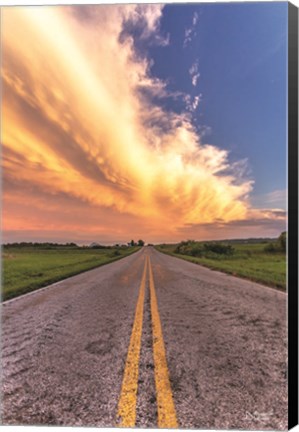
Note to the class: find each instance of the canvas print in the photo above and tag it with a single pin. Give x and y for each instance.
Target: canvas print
(144, 193)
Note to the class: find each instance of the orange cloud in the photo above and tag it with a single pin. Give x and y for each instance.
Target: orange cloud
(76, 124)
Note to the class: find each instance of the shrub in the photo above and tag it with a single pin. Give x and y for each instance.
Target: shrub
(115, 253)
(196, 251)
(270, 247)
(184, 247)
(219, 248)
(280, 245)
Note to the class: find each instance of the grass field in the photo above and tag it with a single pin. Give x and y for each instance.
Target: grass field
(249, 260)
(28, 268)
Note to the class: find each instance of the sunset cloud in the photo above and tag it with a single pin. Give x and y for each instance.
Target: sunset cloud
(268, 222)
(85, 148)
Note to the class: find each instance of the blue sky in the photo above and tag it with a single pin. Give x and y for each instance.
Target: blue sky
(241, 54)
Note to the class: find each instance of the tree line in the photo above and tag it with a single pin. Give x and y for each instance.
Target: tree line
(138, 243)
(46, 245)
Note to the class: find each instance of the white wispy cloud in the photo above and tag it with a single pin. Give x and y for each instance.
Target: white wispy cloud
(192, 102)
(190, 32)
(194, 79)
(195, 18)
(162, 40)
(274, 199)
(193, 71)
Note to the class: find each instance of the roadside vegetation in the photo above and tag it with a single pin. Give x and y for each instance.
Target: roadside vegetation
(28, 266)
(260, 260)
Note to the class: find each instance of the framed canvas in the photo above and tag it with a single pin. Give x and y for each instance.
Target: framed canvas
(149, 157)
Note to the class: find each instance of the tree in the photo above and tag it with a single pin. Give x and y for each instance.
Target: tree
(132, 243)
(140, 243)
(282, 240)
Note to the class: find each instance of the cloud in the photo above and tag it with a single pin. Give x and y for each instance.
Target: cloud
(145, 19)
(190, 32)
(84, 146)
(276, 199)
(193, 71)
(162, 40)
(258, 223)
(195, 19)
(192, 102)
(64, 217)
(188, 38)
(194, 79)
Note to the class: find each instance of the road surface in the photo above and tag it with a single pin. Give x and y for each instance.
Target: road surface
(147, 341)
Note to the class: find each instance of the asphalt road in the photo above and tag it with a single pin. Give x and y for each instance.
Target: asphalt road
(151, 341)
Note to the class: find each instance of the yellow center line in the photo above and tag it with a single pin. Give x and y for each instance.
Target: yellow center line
(166, 409)
(127, 402)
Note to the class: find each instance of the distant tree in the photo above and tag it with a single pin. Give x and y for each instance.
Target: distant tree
(279, 245)
(282, 240)
(132, 243)
(98, 246)
(140, 243)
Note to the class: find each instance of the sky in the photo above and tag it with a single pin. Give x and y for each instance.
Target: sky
(160, 122)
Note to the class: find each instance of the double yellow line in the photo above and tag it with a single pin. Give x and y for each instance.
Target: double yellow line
(128, 397)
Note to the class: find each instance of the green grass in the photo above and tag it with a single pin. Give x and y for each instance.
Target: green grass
(29, 268)
(249, 261)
